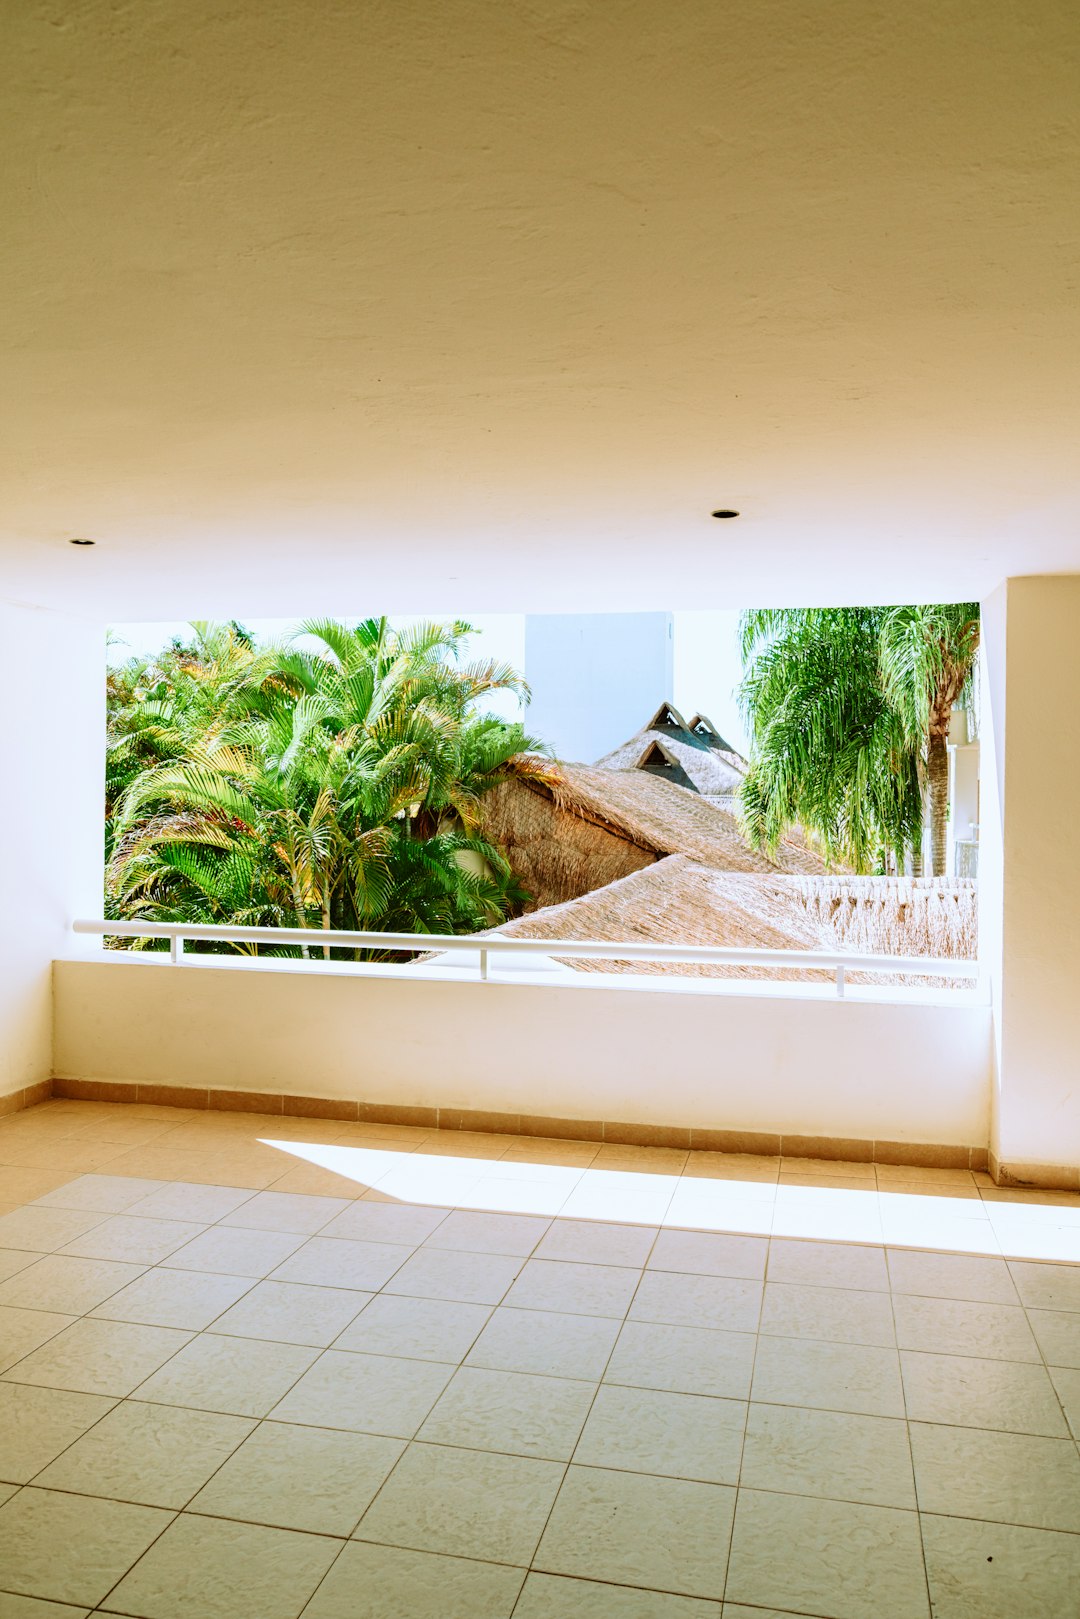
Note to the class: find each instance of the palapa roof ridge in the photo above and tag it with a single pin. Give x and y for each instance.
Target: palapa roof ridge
(679, 900)
(707, 763)
(658, 815)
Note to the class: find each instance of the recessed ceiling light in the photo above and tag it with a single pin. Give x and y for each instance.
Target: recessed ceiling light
(723, 514)
(82, 542)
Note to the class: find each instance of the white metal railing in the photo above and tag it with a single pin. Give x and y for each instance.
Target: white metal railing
(839, 963)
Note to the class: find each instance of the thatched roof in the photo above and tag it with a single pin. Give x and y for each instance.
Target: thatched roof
(693, 755)
(657, 816)
(681, 901)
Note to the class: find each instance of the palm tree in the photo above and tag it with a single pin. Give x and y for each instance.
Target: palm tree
(926, 656)
(849, 709)
(330, 788)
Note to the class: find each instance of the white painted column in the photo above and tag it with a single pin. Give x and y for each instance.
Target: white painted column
(1030, 872)
(51, 820)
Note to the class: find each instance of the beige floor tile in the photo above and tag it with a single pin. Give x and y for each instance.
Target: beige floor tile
(798, 1451)
(925, 1174)
(15, 1607)
(13, 1260)
(736, 1610)
(399, 1584)
(1057, 1333)
(635, 1529)
(828, 1264)
(951, 1276)
(468, 1278)
(464, 1144)
(223, 1570)
(554, 1596)
(961, 1390)
(99, 1357)
(512, 1412)
(683, 1360)
(547, 1342)
(286, 1211)
(125, 1129)
(288, 1313)
(828, 1314)
(614, 1194)
(464, 1503)
(938, 1232)
(238, 1376)
(72, 1154)
(732, 1166)
(1047, 1287)
(174, 1298)
(23, 1185)
(106, 1194)
(481, 1233)
(190, 1200)
(134, 1241)
(829, 1169)
(852, 1562)
(312, 1180)
(685, 1436)
(707, 1254)
(859, 1223)
(68, 1548)
(860, 1378)
(1004, 1477)
(339, 1262)
(37, 1424)
(402, 1223)
(573, 1289)
(231, 1252)
(999, 1571)
(376, 1394)
(697, 1301)
(957, 1326)
(641, 1160)
(291, 1477)
(597, 1243)
(507, 1192)
(1037, 1242)
(60, 1282)
(166, 1164)
(44, 1230)
(415, 1329)
(156, 1455)
(552, 1150)
(22, 1331)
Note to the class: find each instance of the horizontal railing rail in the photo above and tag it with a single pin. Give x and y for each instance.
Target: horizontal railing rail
(839, 962)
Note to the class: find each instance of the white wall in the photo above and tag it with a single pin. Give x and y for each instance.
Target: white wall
(596, 678)
(51, 819)
(1030, 882)
(856, 1069)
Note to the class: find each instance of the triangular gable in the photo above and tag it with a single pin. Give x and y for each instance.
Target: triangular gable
(667, 717)
(703, 725)
(658, 760)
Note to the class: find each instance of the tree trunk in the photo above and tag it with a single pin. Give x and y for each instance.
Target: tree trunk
(938, 775)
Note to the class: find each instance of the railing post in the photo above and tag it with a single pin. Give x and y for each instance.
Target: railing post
(840, 983)
(483, 965)
(176, 950)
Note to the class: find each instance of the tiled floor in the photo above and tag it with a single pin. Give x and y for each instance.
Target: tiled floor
(255, 1367)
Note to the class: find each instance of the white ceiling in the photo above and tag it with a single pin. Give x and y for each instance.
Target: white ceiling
(487, 303)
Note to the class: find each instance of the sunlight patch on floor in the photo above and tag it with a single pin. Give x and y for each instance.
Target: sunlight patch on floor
(1033, 1226)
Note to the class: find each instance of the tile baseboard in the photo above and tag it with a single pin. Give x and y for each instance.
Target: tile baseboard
(923, 1155)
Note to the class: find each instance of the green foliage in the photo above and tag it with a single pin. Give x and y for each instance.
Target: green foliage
(338, 787)
(849, 708)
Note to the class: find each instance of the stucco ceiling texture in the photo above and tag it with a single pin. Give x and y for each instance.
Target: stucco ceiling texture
(492, 301)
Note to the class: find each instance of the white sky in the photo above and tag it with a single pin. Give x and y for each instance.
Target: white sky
(707, 662)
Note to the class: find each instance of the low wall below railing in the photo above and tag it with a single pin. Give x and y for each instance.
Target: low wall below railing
(881, 1067)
